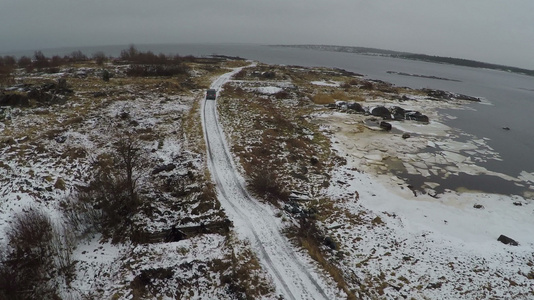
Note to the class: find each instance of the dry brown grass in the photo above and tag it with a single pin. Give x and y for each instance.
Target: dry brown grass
(191, 130)
(236, 63)
(337, 275)
(310, 238)
(240, 271)
(323, 98)
(340, 95)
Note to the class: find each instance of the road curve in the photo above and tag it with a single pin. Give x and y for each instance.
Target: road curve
(293, 278)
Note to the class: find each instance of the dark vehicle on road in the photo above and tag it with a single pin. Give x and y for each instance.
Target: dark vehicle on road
(211, 94)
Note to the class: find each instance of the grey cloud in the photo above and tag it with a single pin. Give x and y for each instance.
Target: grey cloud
(489, 30)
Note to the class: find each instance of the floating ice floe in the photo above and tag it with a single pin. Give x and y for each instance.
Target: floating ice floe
(525, 176)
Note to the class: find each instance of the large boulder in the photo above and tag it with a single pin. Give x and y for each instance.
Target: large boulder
(381, 111)
(416, 116)
(385, 125)
(355, 106)
(398, 113)
(507, 241)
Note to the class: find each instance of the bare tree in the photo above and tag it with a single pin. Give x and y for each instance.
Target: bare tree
(41, 61)
(37, 253)
(130, 161)
(99, 57)
(114, 187)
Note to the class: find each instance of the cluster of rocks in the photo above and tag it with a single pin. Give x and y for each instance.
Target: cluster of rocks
(394, 113)
(398, 113)
(444, 95)
(347, 106)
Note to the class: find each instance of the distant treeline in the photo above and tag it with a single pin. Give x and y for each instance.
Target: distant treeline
(142, 63)
(413, 56)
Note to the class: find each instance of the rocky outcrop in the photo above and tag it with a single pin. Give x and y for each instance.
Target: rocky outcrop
(416, 116)
(381, 111)
(507, 241)
(398, 113)
(355, 106)
(444, 95)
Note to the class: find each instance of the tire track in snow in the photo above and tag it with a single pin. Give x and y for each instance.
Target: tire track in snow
(292, 277)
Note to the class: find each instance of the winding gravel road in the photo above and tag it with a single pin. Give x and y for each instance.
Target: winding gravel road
(293, 278)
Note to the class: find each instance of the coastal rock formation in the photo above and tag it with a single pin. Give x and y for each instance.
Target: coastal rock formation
(416, 116)
(381, 111)
(355, 106)
(444, 95)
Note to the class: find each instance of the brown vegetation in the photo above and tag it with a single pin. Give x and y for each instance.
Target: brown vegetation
(38, 254)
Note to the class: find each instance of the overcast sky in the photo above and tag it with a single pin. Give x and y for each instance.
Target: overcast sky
(497, 31)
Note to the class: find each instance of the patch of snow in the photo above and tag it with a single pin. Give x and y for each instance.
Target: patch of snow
(269, 90)
(325, 83)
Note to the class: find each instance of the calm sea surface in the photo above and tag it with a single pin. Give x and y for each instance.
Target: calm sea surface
(510, 97)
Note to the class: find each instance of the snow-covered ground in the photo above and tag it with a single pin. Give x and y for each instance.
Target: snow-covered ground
(396, 243)
(392, 243)
(422, 245)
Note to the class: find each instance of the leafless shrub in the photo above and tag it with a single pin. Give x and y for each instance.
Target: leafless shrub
(267, 185)
(134, 56)
(31, 232)
(7, 64)
(113, 190)
(99, 57)
(311, 238)
(240, 272)
(24, 61)
(156, 70)
(77, 56)
(57, 61)
(81, 214)
(37, 256)
(281, 95)
(241, 74)
(367, 85)
(40, 61)
(345, 85)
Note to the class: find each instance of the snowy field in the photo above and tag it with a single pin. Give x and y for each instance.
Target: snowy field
(392, 241)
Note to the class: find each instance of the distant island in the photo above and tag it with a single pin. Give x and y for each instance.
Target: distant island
(413, 56)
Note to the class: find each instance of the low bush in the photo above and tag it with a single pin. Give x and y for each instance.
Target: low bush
(99, 57)
(240, 75)
(266, 184)
(37, 256)
(310, 238)
(111, 198)
(322, 98)
(156, 70)
(240, 273)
